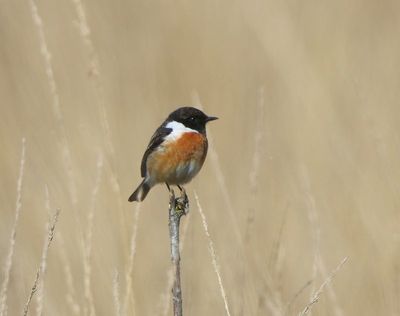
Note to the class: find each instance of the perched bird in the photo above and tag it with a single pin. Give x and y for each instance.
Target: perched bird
(176, 151)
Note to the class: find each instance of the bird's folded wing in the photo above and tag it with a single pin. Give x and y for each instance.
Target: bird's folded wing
(155, 141)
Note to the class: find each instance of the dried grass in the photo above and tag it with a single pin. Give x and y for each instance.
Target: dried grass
(140, 60)
(71, 296)
(116, 294)
(318, 263)
(317, 294)
(40, 296)
(87, 267)
(129, 297)
(213, 255)
(9, 259)
(64, 148)
(43, 262)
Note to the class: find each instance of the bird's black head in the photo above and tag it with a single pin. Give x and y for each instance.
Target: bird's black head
(191, 118)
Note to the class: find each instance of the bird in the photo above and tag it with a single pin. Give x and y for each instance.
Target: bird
(176, 151)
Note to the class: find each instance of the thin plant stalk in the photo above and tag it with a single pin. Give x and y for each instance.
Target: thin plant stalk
(177, 208)
(65, 150)
(9, 259)
(70, 296)
(42, 266)
(89, 308)
(132, 254)
(116, 293)
(318, 263)
(213, 255)
(40, 286)
(166, 296)
(318, 293)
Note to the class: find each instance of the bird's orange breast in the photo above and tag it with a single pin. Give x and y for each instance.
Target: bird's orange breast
(172, 156)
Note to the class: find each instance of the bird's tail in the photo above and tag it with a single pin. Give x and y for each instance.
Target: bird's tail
(141, 192)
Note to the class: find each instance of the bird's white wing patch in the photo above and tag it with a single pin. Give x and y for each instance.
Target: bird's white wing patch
(178, 129)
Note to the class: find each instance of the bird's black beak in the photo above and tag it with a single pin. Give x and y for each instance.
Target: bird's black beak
(211, 118)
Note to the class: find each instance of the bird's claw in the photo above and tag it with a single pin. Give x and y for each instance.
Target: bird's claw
(180, 204)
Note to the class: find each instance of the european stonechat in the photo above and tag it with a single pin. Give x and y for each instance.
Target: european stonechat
(176, 151)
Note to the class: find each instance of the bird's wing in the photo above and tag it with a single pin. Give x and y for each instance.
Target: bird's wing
(157, 138)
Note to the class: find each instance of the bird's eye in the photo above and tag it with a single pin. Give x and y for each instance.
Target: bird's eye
(192, 119)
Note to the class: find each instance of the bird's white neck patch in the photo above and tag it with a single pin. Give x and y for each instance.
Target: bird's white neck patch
(177, 130)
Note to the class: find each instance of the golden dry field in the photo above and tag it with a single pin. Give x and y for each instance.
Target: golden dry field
(302, 171)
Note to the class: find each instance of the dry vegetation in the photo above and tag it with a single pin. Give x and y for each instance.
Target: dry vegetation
(303, 169)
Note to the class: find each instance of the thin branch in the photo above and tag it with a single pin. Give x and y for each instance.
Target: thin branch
(213, 255)
(42, 266)
(165, 299)
(177, 208)
(318, 293)
(9, 259)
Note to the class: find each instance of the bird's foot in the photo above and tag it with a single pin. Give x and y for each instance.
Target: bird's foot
(182, 205)
(179, 204)
(182, 202)
(183, 193)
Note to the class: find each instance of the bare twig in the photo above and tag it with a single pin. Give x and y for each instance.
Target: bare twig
(9, 259)
(165, 300)
(177, 208)
(42, 266)
(318, 293)
(213, 255)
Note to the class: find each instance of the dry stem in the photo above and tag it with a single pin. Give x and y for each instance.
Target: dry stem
(40, 286)
(42, 266)
(70, 296)
(44, 49)
(128, 276)
(9, 259)
(166, 296)
(177, 208)
(317, 294)
(87, 247)
(116, 294)
(213, 255)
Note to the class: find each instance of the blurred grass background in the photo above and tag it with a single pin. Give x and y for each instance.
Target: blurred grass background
(307, 143)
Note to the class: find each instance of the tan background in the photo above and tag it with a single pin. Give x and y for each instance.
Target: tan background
(307, 145)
